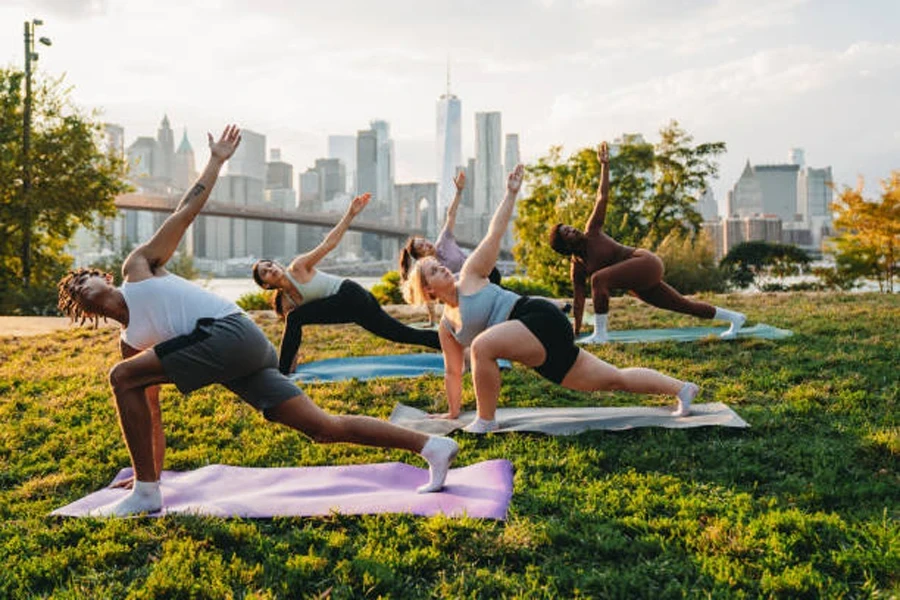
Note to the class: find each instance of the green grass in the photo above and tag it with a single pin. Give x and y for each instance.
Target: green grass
(805, 503)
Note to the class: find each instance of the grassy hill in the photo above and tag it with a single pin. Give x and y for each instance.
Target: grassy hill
(805, 503)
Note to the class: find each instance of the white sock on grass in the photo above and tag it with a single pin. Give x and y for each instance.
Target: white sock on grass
(480, 425)
(735, 318)
(600, 336)
(439, 452)
(145, 497)
(685, 397)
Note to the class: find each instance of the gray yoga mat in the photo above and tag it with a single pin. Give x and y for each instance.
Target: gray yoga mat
(691, 334)
(572, 420)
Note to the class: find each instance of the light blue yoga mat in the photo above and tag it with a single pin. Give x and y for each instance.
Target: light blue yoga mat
(691, 334)
(371, 367)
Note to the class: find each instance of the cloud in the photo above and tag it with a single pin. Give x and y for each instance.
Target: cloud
(72, 9)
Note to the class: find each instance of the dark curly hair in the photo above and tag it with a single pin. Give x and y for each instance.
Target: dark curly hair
(559, 244)
(68, 304)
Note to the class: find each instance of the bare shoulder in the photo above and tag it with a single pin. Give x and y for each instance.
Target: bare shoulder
(136, 266)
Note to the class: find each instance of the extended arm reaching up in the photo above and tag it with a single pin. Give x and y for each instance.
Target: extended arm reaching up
(310, 259)
(159, 249)
(598, 217)
(450, 220)
(484, 257)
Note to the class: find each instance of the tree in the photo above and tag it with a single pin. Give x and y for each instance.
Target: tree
(868, 240)
(73, 183)
(691, 263)
(748, 261)
(652, 192)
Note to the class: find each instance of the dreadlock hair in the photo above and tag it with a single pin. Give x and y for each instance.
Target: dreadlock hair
(563, 246)
(69, 305)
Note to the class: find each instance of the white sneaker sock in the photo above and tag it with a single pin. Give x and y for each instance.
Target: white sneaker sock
(600, 335)
(480, 425)
(735, 318)
(685, 396)
(145, 497)
(439, 452)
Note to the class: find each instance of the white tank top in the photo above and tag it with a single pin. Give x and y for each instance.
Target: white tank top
(161, 308)
(320, 285)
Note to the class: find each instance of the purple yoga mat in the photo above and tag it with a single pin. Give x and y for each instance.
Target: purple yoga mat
(481, 490)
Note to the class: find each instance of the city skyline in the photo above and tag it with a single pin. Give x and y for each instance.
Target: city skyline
(763, 77)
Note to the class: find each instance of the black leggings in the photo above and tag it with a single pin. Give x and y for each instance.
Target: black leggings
(351, 304)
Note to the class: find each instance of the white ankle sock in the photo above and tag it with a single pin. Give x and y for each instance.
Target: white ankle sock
(686, 395)
(439, 452)
(145, 497)
(480, 425)
(735, 318)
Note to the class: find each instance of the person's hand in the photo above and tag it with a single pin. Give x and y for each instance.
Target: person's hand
(603, 153)
(460, 181)
(359, 203)
(227, 144)
(514, 183)
(126, 484)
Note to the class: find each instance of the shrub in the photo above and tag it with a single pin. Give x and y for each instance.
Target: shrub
(527, 287)
(388, 290)
(261, 300)
(691, 264)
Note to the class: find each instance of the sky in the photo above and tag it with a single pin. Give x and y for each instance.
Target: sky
(763, 76)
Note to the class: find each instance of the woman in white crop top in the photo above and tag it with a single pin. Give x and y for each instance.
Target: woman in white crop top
(531, 331)
(307, 296)
(176, 332)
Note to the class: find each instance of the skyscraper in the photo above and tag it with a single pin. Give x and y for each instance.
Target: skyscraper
(511, 152)
(166, 138)
(779, 190)
(343, 148)
(249, 159)
(184, 171)
(746, 196)
(366, 162)
(384, 182)
(488, 167)
(449, 146)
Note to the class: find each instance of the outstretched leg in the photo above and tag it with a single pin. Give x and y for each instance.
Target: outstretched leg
(590, 374)
(302, 414)
(365, 311)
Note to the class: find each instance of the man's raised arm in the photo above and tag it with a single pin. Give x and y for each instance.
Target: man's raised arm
(598, 217)
(162, 245)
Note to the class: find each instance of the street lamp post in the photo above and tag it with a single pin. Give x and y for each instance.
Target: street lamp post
(30, 55)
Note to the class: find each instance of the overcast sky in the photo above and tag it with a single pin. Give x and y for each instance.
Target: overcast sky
(761, 75)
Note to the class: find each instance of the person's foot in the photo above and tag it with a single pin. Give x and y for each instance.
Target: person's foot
(439, 452)
(480, 426)
(685, 397)
(595, 338)
(145, 497)
(736, 323)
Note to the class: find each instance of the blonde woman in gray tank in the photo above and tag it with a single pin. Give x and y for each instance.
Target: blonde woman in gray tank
(498, 323)
(308, 296)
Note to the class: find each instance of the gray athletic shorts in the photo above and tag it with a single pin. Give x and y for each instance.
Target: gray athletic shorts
(232, 351)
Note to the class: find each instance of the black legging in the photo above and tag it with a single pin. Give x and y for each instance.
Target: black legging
(351, 304)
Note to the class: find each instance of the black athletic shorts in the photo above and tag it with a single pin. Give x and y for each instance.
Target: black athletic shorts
(551, 327)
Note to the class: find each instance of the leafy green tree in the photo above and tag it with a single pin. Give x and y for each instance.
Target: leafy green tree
(868, 240)
(73, 183)
(748, 261)
(691, 263)
(652, 190)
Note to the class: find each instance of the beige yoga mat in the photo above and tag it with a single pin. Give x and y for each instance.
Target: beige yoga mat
(572, 420)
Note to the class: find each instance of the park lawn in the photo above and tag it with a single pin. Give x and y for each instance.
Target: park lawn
(804, 503)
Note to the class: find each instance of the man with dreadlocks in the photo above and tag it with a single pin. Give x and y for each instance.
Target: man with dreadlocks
(176, 332)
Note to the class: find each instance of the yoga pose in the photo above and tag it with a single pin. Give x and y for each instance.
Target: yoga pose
(308, 296)
(176, 332)
(611, 265)
(446, 249)
(498, 323)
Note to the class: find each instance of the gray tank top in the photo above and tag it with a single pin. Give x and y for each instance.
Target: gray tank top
(321, 285)
(486, 307)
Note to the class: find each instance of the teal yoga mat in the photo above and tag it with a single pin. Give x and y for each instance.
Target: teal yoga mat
(691, 334)
(371, 367)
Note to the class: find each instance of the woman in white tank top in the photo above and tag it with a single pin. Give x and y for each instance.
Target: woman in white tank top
(306, 296)
(530, 331)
